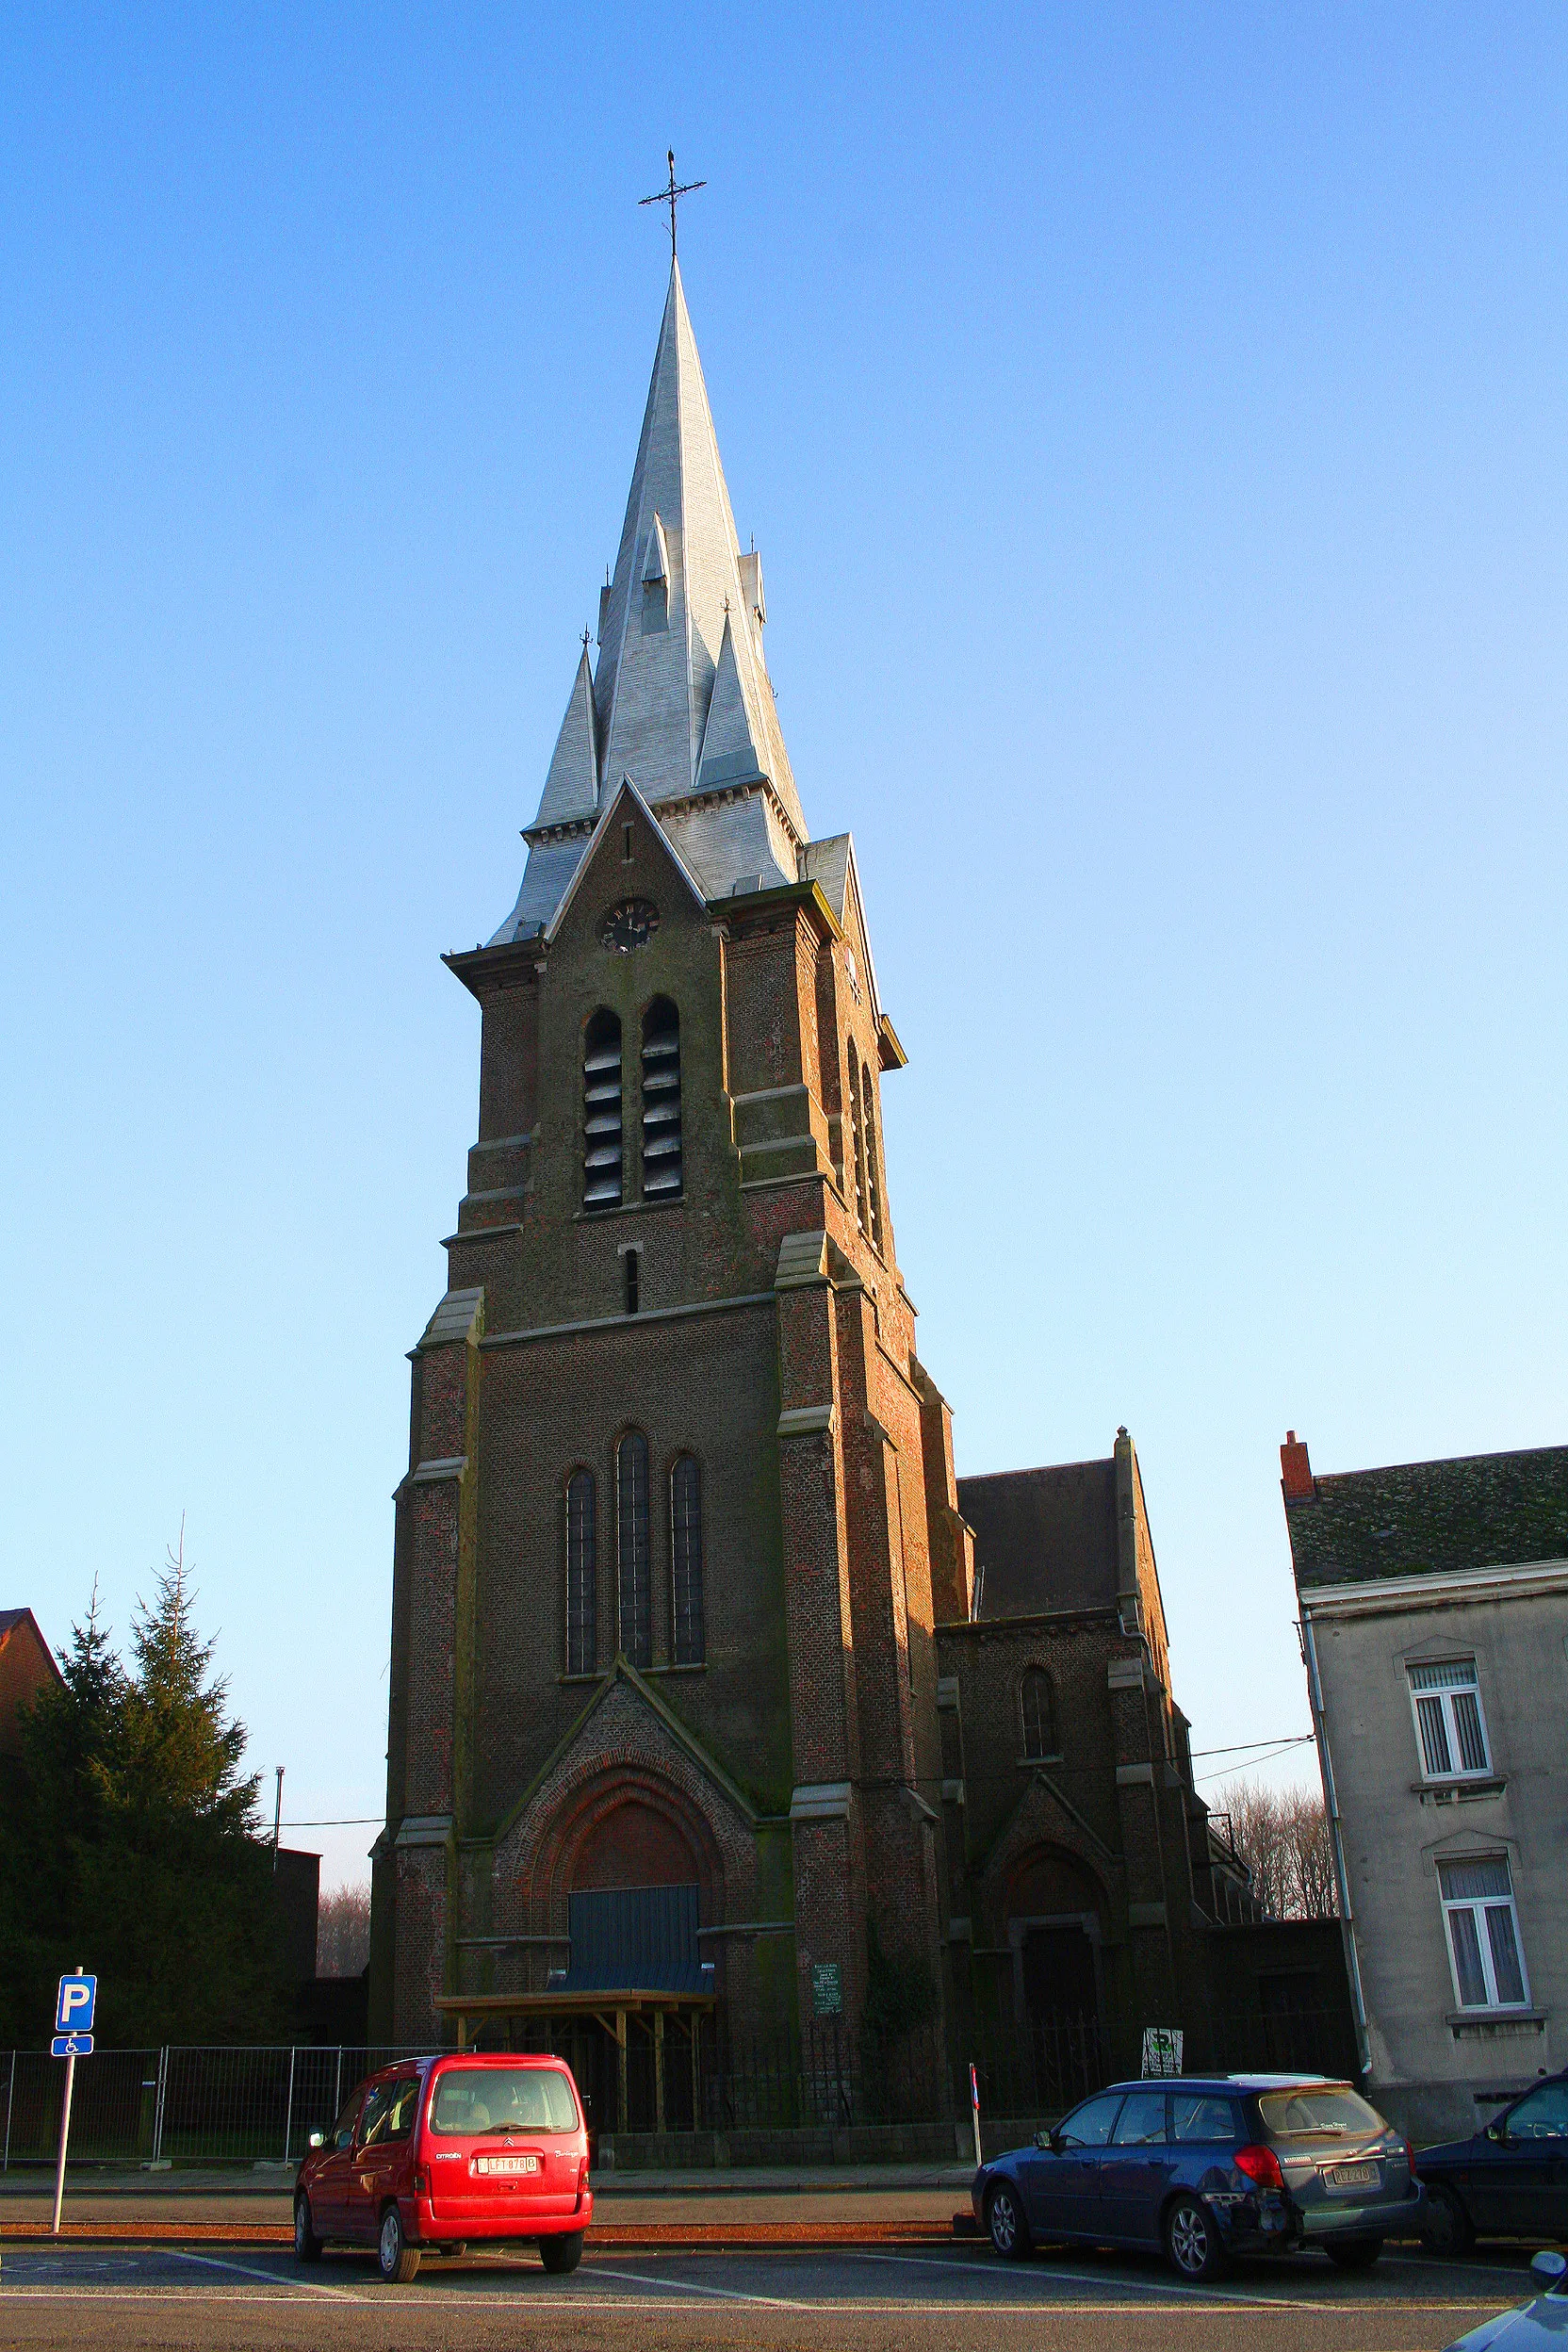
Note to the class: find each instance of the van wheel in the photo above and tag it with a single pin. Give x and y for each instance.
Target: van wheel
(1446, 2227)
(1192, 2240)
(1004, 2222)
(399, 2262)
(307, 2245)
(561, 2254)
(1354, 2253)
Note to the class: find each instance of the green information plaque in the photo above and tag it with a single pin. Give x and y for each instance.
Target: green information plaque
(828, 1990)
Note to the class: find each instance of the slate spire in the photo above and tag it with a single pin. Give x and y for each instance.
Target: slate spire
(677, 584)
(571, 788)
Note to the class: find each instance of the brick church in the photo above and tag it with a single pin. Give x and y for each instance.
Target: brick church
(712, 1689)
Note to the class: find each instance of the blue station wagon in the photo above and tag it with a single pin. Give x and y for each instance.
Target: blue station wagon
(1207, 2167)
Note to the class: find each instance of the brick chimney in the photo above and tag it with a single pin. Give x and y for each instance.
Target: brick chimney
(1296, 1470)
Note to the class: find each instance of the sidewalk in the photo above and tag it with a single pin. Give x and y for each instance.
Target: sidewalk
(825, 2205)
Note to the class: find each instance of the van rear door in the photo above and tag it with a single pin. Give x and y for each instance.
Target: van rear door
(504, 2147)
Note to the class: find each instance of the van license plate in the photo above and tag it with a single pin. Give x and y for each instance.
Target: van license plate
(1351, 2176)
(510, 2165)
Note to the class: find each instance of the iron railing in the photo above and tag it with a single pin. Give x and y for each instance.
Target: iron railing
(256, 2106)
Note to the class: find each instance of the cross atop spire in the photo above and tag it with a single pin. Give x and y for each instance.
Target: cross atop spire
(672, 196)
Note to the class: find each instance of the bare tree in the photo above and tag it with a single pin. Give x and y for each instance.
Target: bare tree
(1282, 1837)
(343, 1932)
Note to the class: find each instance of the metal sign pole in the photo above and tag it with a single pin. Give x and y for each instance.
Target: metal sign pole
(65, 2135)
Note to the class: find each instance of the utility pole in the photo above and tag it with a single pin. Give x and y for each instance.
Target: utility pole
(277, 1819)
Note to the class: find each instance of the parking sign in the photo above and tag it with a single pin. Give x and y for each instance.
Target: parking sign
(79, 1998)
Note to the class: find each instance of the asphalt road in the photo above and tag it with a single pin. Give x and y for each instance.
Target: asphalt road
(953, 2298)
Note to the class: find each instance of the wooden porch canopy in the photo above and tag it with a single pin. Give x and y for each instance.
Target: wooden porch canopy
(650, 2009)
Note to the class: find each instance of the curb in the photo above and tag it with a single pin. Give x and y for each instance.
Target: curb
(630, 2234)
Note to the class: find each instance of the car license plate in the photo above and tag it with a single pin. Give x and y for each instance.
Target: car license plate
(510, 2165)
(1351, 2176)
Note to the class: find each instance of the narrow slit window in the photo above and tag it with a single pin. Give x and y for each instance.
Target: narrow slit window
(874, 1188)
(633, 1283)
(1483, 1933)
(1038, 1697)
(661, 1158)
(631, 1508)
(857, 1152)
(626, 844)
(1449, 1725)
(690, 1645)
(582, 1597)
(601, 1113)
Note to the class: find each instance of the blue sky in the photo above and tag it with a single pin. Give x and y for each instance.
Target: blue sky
(1152, 423)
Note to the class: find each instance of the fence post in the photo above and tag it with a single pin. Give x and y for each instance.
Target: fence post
(163, 2086)
(11, 2097)
(288, 2119)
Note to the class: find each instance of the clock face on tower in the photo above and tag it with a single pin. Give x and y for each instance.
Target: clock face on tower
(633, 924)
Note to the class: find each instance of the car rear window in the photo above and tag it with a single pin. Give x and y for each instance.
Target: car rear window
(1311, 2113)
(502, 2098)
(1196, 2116)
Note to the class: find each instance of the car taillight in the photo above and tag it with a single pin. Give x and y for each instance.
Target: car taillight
(1260, 2164)
(421, 2184)
(582, 2174)
(1409, 2158)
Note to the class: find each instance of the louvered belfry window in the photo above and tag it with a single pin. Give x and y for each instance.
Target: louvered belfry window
(632, 1514)
(686, 1560)
(581, 1595)
(858, 1150)
(874, 1188)
(601, 1113)
(661, 1101)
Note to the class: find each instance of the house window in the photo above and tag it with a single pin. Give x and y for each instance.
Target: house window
(1483, 1933)
(582, 1598)
(1038, 1696)
(686, 1560)
(632, 1514)
(661, 1101)
(873, 1189)
(1448, 1720)
(601, 1113)
(633, 1279)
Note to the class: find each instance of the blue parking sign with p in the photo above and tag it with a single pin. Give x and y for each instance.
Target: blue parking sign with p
(78, 1997)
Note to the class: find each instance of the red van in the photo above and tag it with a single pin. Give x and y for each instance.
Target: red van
(438, 2152)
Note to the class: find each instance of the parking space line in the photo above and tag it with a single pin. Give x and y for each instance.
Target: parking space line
(1098, 2278)
(306, 2287)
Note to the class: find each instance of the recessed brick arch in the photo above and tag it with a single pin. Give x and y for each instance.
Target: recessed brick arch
(1046, 1881)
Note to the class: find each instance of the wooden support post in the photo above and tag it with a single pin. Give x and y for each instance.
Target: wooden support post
(658, 2069)
(621, 2121)
(697, 2119)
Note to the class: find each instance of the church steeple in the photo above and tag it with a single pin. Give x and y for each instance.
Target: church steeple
(678, 580)
(681, 701)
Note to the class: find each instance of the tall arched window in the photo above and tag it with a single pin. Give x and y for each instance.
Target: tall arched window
(873, 1189)
(857, 1149)
(1039, 1713)
(583, 1640)
(661, 1100)
(631, 1520)
(601, 1112)
(686, 1562)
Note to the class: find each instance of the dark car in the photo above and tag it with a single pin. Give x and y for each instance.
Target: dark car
(1207, 2167)
(437, 2151)
(1509, 2180)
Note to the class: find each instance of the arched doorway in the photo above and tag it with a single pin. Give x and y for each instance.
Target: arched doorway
(1055, 1925)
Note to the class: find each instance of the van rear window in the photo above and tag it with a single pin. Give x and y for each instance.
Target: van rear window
(473, 2099)
(1333, 2112)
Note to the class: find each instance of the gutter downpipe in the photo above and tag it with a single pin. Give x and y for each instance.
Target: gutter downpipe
(1341, 1877)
